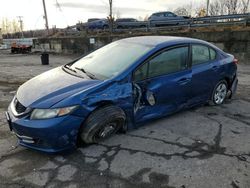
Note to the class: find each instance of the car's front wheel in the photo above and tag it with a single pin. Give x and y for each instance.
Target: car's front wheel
(220, 93)
(102, 124)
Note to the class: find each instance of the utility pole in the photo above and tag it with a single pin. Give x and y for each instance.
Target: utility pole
(111, 19)
(208, 3)
(20, 20)
(45, 17)
(110, 8)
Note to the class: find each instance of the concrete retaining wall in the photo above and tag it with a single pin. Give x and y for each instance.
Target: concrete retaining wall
(235, 42)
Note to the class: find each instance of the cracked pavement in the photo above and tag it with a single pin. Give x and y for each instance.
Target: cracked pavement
(208, 146)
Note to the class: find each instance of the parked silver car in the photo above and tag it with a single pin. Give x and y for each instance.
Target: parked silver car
(128, 23)
(166, 18)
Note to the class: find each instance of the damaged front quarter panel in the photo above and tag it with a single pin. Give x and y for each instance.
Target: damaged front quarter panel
(118, 93)
(125, 94)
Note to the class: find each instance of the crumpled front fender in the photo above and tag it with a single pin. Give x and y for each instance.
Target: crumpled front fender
(119, 94)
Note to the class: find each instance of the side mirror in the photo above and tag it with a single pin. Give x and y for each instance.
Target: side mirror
(150, 98)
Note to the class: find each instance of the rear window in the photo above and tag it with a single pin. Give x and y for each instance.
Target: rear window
(202, 54)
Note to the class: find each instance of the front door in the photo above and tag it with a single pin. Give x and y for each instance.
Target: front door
(162, 84)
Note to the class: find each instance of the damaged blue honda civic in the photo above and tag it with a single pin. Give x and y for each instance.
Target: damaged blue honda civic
(119, 87)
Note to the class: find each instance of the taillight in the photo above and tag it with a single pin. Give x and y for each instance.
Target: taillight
(236, 61)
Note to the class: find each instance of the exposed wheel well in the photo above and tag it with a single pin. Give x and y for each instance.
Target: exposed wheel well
(99, 105)
(99, 112)
(228, 82)
(103, 103)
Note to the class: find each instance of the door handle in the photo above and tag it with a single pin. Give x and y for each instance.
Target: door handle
(183, 81)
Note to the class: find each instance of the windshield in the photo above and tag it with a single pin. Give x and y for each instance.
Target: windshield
(111, 60)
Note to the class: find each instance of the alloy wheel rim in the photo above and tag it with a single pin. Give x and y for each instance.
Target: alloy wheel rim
(220, 93)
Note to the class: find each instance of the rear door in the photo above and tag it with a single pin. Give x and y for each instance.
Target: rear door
(162, 84)
(206, 72)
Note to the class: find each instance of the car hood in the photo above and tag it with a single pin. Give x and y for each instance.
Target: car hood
(51, 87)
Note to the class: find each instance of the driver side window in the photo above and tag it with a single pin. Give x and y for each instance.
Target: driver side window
(167, 62)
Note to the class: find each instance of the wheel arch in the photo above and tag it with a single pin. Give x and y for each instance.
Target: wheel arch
(97, 106)
(227, 79)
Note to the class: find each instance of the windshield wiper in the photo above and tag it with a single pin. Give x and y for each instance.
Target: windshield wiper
(90, 75)
(69, 68)
(81, 69)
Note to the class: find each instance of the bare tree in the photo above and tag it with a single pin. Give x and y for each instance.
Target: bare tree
(118, 14)
(5, 25)
(222, 7)
(185, 10)
(245, 6)
(232, 6)
(146, 18)
(200, 12)
(110, 16)
(216, 8)
(15, 26)
(181, 11)
(9, 26)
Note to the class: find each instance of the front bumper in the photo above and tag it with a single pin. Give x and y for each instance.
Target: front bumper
(50, 135)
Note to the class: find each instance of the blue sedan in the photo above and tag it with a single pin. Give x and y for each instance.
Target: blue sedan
(119, 87)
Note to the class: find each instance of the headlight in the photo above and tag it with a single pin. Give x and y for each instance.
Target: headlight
(51, 113)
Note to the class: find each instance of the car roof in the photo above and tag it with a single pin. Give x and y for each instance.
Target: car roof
(157, 41)
(124, 18)
(162, 12)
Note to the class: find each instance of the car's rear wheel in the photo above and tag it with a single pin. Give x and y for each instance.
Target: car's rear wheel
(220, 93)
(102, 124)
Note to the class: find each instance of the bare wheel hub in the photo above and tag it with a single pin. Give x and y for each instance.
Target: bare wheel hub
(107, 130)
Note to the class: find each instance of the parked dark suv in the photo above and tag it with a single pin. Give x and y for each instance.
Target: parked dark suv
(98, 24)
(126, 23)
(93, 24)
(166, 18)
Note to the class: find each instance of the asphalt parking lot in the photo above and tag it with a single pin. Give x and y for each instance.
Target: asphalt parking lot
(203, 147)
